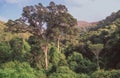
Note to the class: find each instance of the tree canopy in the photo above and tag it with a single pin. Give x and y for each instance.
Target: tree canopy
(46, 42)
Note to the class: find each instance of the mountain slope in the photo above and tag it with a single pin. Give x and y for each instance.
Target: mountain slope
(114, 17)
(84, 24)
(107, 32)
(6, 36)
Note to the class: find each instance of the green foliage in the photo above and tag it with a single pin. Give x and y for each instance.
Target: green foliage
(79, 64)
(56, 58)
(111, 54)
(106, 74)
(36, 55)
(63, 72)
(75, 57)
(5, 47)
(41, 73)
(17, 70)
(35, 43)
(19, 49)
(96, 48)
(5, 52)
(101, 74)
(73, 50)
(20, 45)
(26, 47)
(83, 76)
(115, 73)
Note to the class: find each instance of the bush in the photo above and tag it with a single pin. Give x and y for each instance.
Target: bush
(17, 70)
(115, 74)
(101, 74)
(5, 52)
(83, 76)
(41, 73)
(106, 74)
(63, 72)
(20, 48)
(57, 58)
(79, 64)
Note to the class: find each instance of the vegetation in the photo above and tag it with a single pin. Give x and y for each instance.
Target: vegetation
(45, 42)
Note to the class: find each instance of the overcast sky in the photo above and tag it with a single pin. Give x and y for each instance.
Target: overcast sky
(86, 10)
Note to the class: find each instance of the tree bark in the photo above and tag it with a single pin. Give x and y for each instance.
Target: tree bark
(97, 61)
(58, 43)
(45, 50)
(46, 57)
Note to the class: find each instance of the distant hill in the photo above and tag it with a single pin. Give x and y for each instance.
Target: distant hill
(85, 24)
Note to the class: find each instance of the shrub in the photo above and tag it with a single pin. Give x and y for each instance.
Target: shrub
(106, 74)
(115, 73)
(5, 52)
(101, 74)
(56, 58)
(79, 64)
(83, 76)
(63, 72)
(17, 70)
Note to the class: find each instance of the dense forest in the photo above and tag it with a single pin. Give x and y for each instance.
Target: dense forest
(46, 42)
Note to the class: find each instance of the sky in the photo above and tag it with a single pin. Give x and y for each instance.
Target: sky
(82, 10)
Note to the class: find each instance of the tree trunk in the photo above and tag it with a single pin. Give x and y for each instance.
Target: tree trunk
(97, 61)
(46, 57)
(58, 43)
(45, 50)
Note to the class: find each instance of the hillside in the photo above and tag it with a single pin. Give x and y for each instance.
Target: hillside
(84, 24)
(107, 32)
(1, 22)
(109, 20)
(2, 26)
(8, 35)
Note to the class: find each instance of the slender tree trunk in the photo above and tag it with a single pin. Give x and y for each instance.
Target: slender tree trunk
(58, 43)
(46, 57)
(97, 61)
(45, 50)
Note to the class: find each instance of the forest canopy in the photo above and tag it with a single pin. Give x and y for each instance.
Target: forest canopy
(46, 42)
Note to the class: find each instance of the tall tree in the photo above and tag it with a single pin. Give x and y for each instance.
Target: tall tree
(60, 23)
(47, 23)
(96, 49)
(32, 20)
